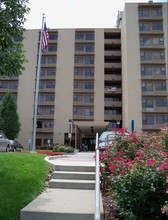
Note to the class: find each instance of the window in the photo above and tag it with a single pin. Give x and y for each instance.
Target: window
(160, 86)
(89, 60)
(48, 124)
(148, 120)
(41, 85)
(77, 111)
(42, 72)
(88, 98)
(159, 55)
(79, 47)
(78, 71)
(147, 87)
(146, 56)
(89, 72)
(143, 13)
(52, 48)
(144, 27)
(43, 60)
(79, 36)
(51, 59)
(79, 60)
(2, 96)
(39, 111)
(50, 85)
(156, 12)
(158, 41)
(51, 72)
(78, 85)
(49, 97)
(90, 36)
(39, 124)
(13, 85)
(53, 36)
(145, 41)
(89, 48)
(161, 119)
(161, 102)
(157, 26)
(146, 71)
(88, 111)
(78, 98)
(89, 85)
(159, 71)
(147, 103)
(49, 110)
(41, 98)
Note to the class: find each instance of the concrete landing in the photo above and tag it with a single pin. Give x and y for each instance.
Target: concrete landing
(62, 204)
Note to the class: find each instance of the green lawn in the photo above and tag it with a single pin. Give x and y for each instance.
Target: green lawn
(22, 178)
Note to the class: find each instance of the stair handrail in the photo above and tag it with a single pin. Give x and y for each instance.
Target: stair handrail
(97, 182)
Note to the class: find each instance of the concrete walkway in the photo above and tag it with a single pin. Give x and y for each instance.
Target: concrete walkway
(69, 199)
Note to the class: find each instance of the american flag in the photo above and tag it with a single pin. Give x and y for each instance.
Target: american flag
(111, 89)
(45, 37)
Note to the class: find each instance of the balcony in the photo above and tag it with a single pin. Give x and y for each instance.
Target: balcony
(111, 77)
(82, 90)
(113, 104)
(156, 109)
(83, 104)
(112, 117)
(112, 65)
(112, 41)
(83, 117)
(152, 127)
(113, 91)
(83, 77)
(112, 53)
(51, 116)
(154, 93)
(44, 130)
(154, 77)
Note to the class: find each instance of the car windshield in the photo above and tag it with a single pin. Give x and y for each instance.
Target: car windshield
(107, 134)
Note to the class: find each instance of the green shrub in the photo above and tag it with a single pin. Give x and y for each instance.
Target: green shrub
(63, 148)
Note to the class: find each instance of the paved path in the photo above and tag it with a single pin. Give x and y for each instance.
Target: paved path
(62, 203)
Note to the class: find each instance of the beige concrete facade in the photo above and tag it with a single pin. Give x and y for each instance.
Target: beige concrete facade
(93, 79)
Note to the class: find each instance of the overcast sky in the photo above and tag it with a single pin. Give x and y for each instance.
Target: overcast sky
(76, 13)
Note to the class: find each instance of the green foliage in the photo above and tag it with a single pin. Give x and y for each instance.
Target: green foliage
(63, 148)
(22, 179)
(135, 171)
(9, 119)
(12, 20)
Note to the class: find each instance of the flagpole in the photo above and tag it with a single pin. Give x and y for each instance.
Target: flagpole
(37, 88)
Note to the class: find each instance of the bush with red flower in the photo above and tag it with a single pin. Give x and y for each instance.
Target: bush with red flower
(134, 170)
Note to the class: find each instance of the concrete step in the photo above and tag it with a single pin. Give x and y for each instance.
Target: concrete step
(76, 168)
(73, 175)
(72, 184)
(62, 204)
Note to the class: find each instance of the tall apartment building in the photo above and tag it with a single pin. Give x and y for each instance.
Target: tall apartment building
(93, 80)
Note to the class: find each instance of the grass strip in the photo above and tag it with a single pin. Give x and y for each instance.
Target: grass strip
(22, 179)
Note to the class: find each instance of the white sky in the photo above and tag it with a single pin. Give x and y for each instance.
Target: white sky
(76, 13)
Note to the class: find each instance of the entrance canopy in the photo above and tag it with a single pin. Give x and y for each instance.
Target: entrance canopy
(90, 127)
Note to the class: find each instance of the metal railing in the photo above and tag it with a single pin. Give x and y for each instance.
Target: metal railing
(97, 183)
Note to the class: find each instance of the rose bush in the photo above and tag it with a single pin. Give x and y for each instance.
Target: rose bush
(134, 169)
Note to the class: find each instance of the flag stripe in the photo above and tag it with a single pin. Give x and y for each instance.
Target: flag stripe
(45, 37)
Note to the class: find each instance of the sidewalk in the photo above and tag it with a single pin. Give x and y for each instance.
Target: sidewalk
(66, 203)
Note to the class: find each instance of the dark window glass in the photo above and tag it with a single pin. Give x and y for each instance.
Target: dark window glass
(53, 36)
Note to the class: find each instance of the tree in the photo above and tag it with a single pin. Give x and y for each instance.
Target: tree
(9, 119)
(12, 20)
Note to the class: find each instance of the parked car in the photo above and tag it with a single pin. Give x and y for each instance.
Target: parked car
(107, 137)
(15, 145)
(4, 142)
